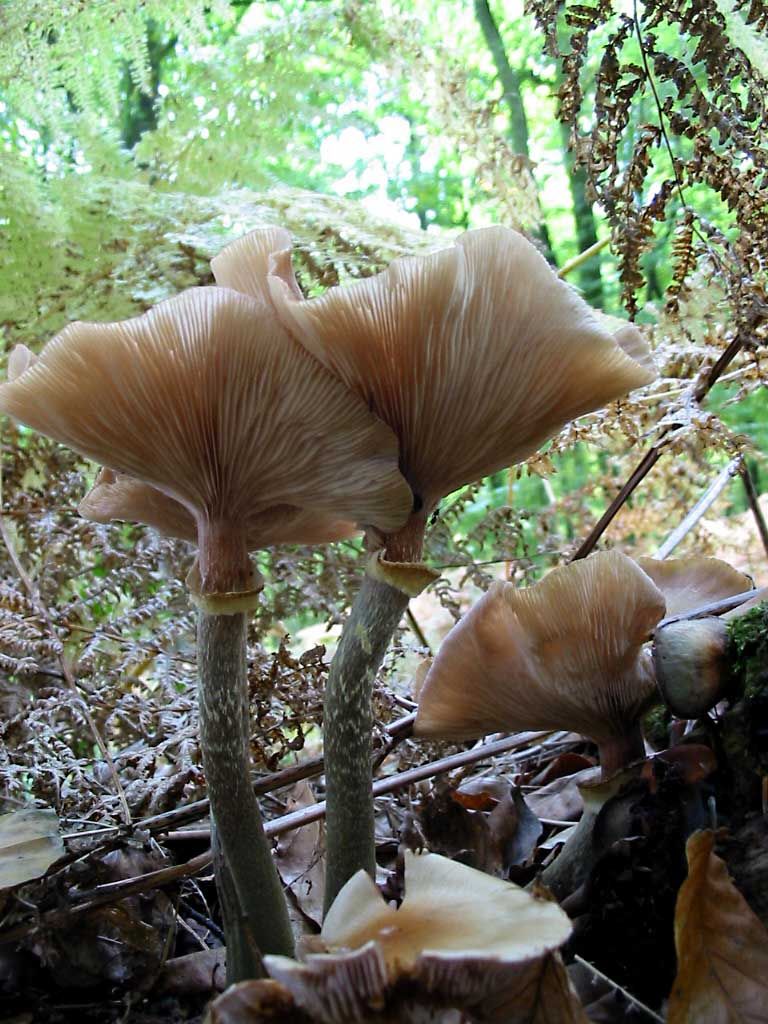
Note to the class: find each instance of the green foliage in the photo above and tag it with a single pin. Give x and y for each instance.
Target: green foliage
(137, 139)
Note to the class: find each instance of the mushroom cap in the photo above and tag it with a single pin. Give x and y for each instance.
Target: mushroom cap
(688, 583)
(245, 264)
(458, 937)
(449, 909)
(207, 399)
(474, 355)
(117, 497)
(564, 653)
(691, 664)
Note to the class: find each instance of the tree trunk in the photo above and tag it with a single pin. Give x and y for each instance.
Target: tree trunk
(510, 82)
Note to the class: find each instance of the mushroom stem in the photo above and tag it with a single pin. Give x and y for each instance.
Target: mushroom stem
(620, 751)
(224, 741)
(223, 558)
(348, 717)
(243, 956)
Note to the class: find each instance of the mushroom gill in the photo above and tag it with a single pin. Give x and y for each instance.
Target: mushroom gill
(207, 400)
(566, 652)
(474, 355)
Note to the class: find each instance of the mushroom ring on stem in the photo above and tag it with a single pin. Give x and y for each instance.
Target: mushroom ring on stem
(474, 355)
(208, 402)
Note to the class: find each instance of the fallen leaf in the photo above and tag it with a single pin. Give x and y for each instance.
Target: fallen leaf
(564, 764)
(542, 994)
(481, 794)
(300, 860)
(29, 844)
(722, 948)
(514, 828)
(200, 972)
(561, 800)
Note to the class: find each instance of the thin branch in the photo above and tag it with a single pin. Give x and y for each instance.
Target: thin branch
(583, 257)
(414, 624)
(627, 995)
(113, 891)
(706, 380)
(754, 504)
(707, 499)
(725, 604)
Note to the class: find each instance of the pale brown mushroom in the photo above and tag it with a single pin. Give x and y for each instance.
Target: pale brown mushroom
(459, 938)
(567, 652)
(115, 497)
(475, 355)
(694, 581)
(208, 400)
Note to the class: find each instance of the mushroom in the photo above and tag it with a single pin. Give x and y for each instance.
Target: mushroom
(474, 355)
(567, 652)
(460, 938)
(206, 399)
(693, 581)
(118, 497)
(690, 656)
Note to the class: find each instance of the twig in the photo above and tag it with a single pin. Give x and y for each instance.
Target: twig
(754, 504)
(583, 257)
(113, 891)
(640, 472)
(701, 387)
(708, 498)
(725, 604)
(310, 769)
(414, 624)
(627, 995)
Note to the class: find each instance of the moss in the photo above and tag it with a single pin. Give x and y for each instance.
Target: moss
(748, 653)
(656, 723)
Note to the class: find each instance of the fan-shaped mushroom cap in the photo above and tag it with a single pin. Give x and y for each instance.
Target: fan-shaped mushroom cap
(455, 924)
(207, 399)
(448, 908)
(564, 653)
(688, 583)
(474, 355)
(246, 263)
(117, 497)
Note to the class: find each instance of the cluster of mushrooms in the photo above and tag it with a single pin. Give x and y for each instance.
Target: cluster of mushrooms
(243, 416)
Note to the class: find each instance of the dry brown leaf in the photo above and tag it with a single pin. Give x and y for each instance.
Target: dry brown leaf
(300, 858)
(722, 948)
(560, 800)
(543, 995)
(201, 971)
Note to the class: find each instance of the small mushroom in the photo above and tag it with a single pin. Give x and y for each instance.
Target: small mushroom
(460, 938)
(567, 652)
(691, 665)
(690, 656)
(206, 399)
(474, 355)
